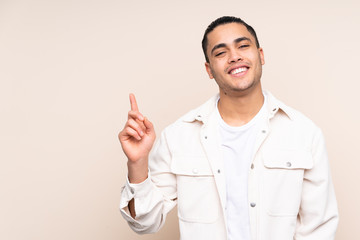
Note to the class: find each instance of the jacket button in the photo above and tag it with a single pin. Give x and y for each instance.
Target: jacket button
(132, 190)
(252, 166)
(288, 164)
(263, 131)
(195, 170)
(252, 204)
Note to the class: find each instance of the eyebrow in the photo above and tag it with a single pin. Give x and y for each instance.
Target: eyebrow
(237, 40)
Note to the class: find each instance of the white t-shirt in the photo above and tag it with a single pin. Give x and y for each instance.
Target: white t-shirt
(237, 145)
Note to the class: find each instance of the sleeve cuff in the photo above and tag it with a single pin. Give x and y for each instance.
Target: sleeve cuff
(134, 190)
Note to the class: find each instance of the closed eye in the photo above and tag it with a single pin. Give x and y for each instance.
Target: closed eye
(244, 46)
(218, 54)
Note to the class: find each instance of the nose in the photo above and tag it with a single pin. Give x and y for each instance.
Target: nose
(234, 56)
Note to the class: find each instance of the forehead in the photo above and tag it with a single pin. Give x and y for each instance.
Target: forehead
(227, 33)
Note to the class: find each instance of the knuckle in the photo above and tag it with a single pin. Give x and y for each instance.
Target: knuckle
(131, 121)
(131, 113)
(135, 124)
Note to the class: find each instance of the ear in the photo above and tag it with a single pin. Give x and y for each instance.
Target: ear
(261, 53)
(208, 70)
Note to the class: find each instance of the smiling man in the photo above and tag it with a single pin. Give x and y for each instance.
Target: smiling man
(241, 166)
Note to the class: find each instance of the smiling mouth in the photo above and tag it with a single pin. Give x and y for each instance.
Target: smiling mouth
(238, 70)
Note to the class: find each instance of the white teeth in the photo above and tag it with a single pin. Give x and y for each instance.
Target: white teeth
(238, 70)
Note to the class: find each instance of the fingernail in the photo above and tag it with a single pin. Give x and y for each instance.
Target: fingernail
(141, 133)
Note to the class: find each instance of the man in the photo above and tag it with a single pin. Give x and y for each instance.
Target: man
(242, 166)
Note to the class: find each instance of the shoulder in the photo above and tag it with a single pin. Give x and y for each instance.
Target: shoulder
(196, 116)
(292, 115)
(299, 117)
(183, 136)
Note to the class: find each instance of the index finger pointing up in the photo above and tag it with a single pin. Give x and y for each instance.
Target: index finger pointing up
(133, 103)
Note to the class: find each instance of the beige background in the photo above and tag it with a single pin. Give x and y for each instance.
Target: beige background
(66, 68)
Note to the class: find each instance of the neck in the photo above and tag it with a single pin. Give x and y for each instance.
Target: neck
(239, 109)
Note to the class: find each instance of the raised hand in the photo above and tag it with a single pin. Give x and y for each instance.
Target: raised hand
(137, 139)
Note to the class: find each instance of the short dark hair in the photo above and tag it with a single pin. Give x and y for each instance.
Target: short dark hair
(222, 21)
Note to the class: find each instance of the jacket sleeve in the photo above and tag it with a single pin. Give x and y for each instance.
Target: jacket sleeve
(318, 215)
(155, 197)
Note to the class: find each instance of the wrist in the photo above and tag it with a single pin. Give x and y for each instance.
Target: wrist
(137, 171)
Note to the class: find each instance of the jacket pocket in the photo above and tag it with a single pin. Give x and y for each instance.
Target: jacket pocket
(283, 178)
(198, 199)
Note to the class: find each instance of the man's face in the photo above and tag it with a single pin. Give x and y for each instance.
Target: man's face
(234, 60)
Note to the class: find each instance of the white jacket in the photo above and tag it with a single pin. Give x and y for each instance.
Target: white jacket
(290, 191)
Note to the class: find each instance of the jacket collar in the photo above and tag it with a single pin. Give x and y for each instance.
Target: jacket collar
(203, 112)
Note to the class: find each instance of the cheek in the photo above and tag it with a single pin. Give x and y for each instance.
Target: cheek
(218, 67)
(258, 58)
(216, 73)
(212, 69)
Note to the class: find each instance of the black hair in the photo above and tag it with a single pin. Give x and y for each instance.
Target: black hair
(225, 20)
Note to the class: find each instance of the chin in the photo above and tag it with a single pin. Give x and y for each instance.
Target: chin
(244, 87)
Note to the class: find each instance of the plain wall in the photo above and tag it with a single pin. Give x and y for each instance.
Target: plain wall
(67, 67)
